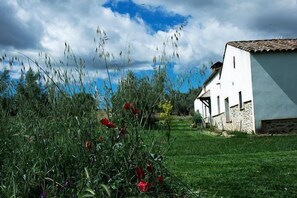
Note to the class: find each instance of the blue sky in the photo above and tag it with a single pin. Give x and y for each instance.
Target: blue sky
(157, 18)
(137, 27)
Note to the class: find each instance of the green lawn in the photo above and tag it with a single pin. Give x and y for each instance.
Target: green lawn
(241, 166)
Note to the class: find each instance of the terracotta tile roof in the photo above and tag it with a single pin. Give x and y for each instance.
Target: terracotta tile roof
(266, 45)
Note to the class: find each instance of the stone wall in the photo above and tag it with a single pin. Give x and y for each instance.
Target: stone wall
(279, 126)
(241, 119)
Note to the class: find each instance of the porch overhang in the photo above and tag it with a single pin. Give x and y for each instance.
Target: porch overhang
(205, 98)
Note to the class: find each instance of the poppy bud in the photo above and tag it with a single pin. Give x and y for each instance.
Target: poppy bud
(135, 112)
(140, 172)
(88, 145)
(160, 179)
(149, 167)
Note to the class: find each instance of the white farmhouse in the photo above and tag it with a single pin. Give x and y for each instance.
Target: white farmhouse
(254, 90)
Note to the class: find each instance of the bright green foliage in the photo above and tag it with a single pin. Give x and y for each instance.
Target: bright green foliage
(167, 108)
(166, 116)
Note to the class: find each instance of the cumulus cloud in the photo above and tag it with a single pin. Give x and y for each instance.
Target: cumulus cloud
(45, 25)
(17, 28)
(213, 23)
(251, 16)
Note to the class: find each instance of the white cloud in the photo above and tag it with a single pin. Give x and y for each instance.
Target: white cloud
(211, 25)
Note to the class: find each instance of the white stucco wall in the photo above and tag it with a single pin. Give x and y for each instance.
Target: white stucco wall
(274, 78)
(234, 80)
(213, 88)
(228, 84)
(198, 106)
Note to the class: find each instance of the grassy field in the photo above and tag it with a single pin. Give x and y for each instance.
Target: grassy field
(241, 166)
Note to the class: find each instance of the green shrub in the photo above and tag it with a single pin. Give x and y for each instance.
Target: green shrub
(197, 118)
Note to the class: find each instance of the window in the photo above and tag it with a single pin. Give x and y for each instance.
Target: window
(234, 62)
(227, 110)
(240, 100)
(218, 100)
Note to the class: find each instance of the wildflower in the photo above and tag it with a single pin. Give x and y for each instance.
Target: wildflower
(104, 121)
(160, 179)
(111, 125)
(144, 186)
(149, 167)
(88, 145)
(127, 106)
(107, 123)
(140, 172)
(135, 112)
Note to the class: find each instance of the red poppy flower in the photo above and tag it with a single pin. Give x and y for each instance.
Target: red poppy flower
(144, 186)
(104, 121)
(135, 112)
(140, 172)
(149, 167)
(110, 125)
(88, 145)
(160, 179)
(127, 106)
(107, 123)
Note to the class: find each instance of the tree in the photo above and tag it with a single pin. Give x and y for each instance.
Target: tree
(184, 102)
(30, 97)
(4, 90)
(85, 103)
(4, 82)
(145, 93)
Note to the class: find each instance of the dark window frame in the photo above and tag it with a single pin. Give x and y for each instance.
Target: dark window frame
(234, 62)
(240, 100)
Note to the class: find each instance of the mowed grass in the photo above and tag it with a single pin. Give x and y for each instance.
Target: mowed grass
(241, 166)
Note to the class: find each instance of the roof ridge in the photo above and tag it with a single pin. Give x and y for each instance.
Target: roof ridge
(256, 40)
(287, 44)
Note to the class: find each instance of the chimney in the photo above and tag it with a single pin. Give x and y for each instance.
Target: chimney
(216, 66)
